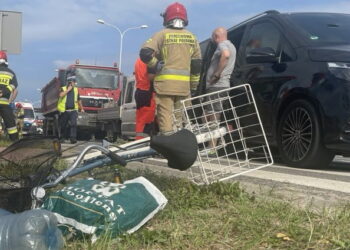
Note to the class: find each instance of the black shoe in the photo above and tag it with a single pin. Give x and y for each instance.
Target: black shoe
(73, 141)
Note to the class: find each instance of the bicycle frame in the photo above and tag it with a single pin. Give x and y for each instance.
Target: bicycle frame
(38, 193)
(133, 151)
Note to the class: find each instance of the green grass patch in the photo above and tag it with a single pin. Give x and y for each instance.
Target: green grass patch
(4, 142)
(224, 216)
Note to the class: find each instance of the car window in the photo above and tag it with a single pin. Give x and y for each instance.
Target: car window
(204, 46)
(39, 116)
(129, 92)
(322, 28)
(207, 48)
(29, 113)
(263, 35)
(235, 36)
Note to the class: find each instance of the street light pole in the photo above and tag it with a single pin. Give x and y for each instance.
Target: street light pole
(121, 33)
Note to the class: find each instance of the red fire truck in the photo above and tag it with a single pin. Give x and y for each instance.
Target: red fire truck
(97, 85)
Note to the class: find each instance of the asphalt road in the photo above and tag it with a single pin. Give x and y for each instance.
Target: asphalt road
(320, 186)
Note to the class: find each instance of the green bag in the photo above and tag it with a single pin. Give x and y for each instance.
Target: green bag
(94, 207)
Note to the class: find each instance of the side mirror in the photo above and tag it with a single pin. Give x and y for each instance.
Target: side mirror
(262, 55)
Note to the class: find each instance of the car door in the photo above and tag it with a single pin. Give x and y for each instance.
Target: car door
(265, 78)
(128, 110)
(207, 49)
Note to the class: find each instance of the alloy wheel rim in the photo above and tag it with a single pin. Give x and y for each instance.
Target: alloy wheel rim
(297, 134)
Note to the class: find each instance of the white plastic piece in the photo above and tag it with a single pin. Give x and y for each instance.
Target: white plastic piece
(38, 193)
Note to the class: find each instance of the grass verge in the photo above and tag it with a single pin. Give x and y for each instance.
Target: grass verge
(223, 216)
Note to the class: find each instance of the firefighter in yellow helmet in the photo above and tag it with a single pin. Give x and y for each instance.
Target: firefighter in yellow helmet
(175, 56)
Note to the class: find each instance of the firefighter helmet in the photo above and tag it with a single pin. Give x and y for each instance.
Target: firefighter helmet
(19, 105)
(3, 57)
(175, 11)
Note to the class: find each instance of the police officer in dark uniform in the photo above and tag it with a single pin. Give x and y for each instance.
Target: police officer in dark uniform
(8, 92)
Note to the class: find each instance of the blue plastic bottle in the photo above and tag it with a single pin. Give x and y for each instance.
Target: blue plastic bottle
(32, 229)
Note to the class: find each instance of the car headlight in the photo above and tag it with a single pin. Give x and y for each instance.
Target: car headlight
(340, 70)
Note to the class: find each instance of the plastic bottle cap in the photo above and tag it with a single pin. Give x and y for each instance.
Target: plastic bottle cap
(38, 192)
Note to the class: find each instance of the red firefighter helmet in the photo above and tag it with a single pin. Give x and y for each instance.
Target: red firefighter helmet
(3, 57)
(175, 11)
(19, 105)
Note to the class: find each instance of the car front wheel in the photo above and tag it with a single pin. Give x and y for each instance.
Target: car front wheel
(300, 138)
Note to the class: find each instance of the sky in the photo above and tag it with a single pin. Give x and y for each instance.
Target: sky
(57, 32)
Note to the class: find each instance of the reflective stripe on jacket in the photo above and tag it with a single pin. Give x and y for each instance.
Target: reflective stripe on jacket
(8, 83)
(12, 130)
(61, 104)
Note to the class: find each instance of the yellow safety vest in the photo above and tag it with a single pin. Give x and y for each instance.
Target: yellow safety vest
(61, 105)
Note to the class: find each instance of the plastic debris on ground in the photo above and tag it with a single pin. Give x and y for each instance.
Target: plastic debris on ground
(94, 207)
(29, 230)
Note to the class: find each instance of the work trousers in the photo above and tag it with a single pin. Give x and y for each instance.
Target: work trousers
(69, 118)
(20, 125)
(9, 120)
(168, 108)
(145, 120)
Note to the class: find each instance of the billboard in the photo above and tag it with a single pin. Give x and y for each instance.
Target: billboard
(11, 31)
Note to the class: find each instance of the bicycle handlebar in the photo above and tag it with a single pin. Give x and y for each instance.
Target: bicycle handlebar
(38, 192)
(114, 157)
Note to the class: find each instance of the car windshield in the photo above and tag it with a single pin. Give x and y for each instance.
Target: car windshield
(28, 113)
(39, 116)
(96, 78)
(323, 28)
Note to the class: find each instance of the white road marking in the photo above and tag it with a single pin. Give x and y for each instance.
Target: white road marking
(298, 176)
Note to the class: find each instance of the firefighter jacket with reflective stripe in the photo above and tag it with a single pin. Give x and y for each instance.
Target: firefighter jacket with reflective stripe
(176, 48)
(8, 82)
(61, 105)
(20, 113)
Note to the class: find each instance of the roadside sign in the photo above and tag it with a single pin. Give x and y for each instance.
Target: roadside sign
(11, 31)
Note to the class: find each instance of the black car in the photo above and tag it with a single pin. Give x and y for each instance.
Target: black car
(298, 65)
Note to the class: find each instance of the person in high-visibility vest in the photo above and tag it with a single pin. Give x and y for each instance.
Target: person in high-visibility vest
(68, 105)
(175, 55)
(8, 92)
(145, 103)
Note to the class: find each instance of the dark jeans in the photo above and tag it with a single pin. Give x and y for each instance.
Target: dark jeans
(71, 117)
